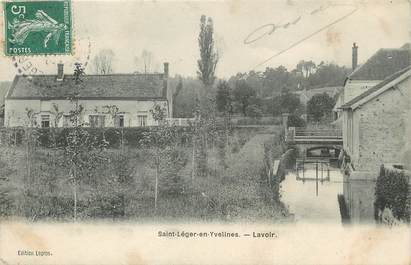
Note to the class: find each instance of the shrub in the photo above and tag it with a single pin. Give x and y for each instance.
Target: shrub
(392, 191)
(254, 111)
(46, 136)
(345, 216)
(296, 121)
(11, 136)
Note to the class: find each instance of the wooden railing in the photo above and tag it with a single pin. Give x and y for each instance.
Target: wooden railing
(297, 133)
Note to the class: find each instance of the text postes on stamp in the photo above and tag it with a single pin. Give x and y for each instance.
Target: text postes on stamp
(38, 27)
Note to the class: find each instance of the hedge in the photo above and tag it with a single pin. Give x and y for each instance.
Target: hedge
(392, 191)
(47, 137)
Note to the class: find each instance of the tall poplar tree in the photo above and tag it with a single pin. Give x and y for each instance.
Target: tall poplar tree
(207, 64)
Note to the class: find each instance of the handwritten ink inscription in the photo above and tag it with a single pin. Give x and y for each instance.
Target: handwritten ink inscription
(271, 28)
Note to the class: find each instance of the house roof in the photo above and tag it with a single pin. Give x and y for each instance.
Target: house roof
(382, 64)
(113, 86)
(391, 81)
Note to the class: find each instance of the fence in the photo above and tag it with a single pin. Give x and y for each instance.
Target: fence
(298, 133)
(303, 132)
(180, 121)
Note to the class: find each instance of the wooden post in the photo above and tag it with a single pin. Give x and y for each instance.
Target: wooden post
(303, 169)
(328, 171)
(322, 172)
(316, 178)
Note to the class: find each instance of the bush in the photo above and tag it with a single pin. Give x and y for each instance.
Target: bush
(345, 216)
(392, 191)
(46, 136)
(254, 111)
(11, 136)
(296, 121)
(319, 106)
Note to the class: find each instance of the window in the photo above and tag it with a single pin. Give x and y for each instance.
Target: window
(142, 120)
(97, 120)
(66, 120)
(45, 121)
(119, 121)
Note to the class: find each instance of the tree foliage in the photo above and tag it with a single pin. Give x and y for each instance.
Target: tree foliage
(268, 86)
(392, 191)
(208, 54)
(295, 121)
(223, 97)
(244, 94)
(254, 111)
(328, 75)
(286, 102)
(306, 68)
(162, 146)
(319, 106)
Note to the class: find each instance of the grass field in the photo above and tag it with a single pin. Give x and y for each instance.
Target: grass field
(37, 186)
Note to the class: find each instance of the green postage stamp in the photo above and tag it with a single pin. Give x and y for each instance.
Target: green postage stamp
(37, 27)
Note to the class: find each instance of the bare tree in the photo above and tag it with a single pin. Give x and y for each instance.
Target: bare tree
(103, 62)
(146, 62)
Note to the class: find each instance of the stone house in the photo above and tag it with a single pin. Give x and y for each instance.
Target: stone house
(48, 98)
(378, 67)
(376, 131)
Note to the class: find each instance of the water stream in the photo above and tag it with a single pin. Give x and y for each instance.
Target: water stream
(303, 201)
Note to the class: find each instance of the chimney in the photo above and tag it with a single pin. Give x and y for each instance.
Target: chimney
(60, 72)
(165, 81)
(166, 70)
(354, 56)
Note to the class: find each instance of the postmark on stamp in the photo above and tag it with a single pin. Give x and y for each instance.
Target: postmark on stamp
(38, 27)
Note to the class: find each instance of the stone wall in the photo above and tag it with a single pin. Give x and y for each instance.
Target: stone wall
(382, 128)
(359, 193)
(379, 136)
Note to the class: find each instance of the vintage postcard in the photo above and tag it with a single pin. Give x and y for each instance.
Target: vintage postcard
(205, 132)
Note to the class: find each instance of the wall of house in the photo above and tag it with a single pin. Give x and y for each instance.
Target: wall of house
(382, 128)
(350, 133)
(16, 114)
(354, 88)
(380, 135)
(406, 149)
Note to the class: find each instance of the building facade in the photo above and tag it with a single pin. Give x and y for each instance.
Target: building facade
(376, 131)
(114, 100)
(377, 68)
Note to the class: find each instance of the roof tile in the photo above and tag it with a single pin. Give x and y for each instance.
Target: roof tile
(375, 88)
(382, 64)
(93, 86)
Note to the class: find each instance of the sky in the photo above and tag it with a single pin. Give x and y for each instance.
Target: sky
(170, 31)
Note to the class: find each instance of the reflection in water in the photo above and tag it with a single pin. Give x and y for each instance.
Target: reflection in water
(303, 202)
